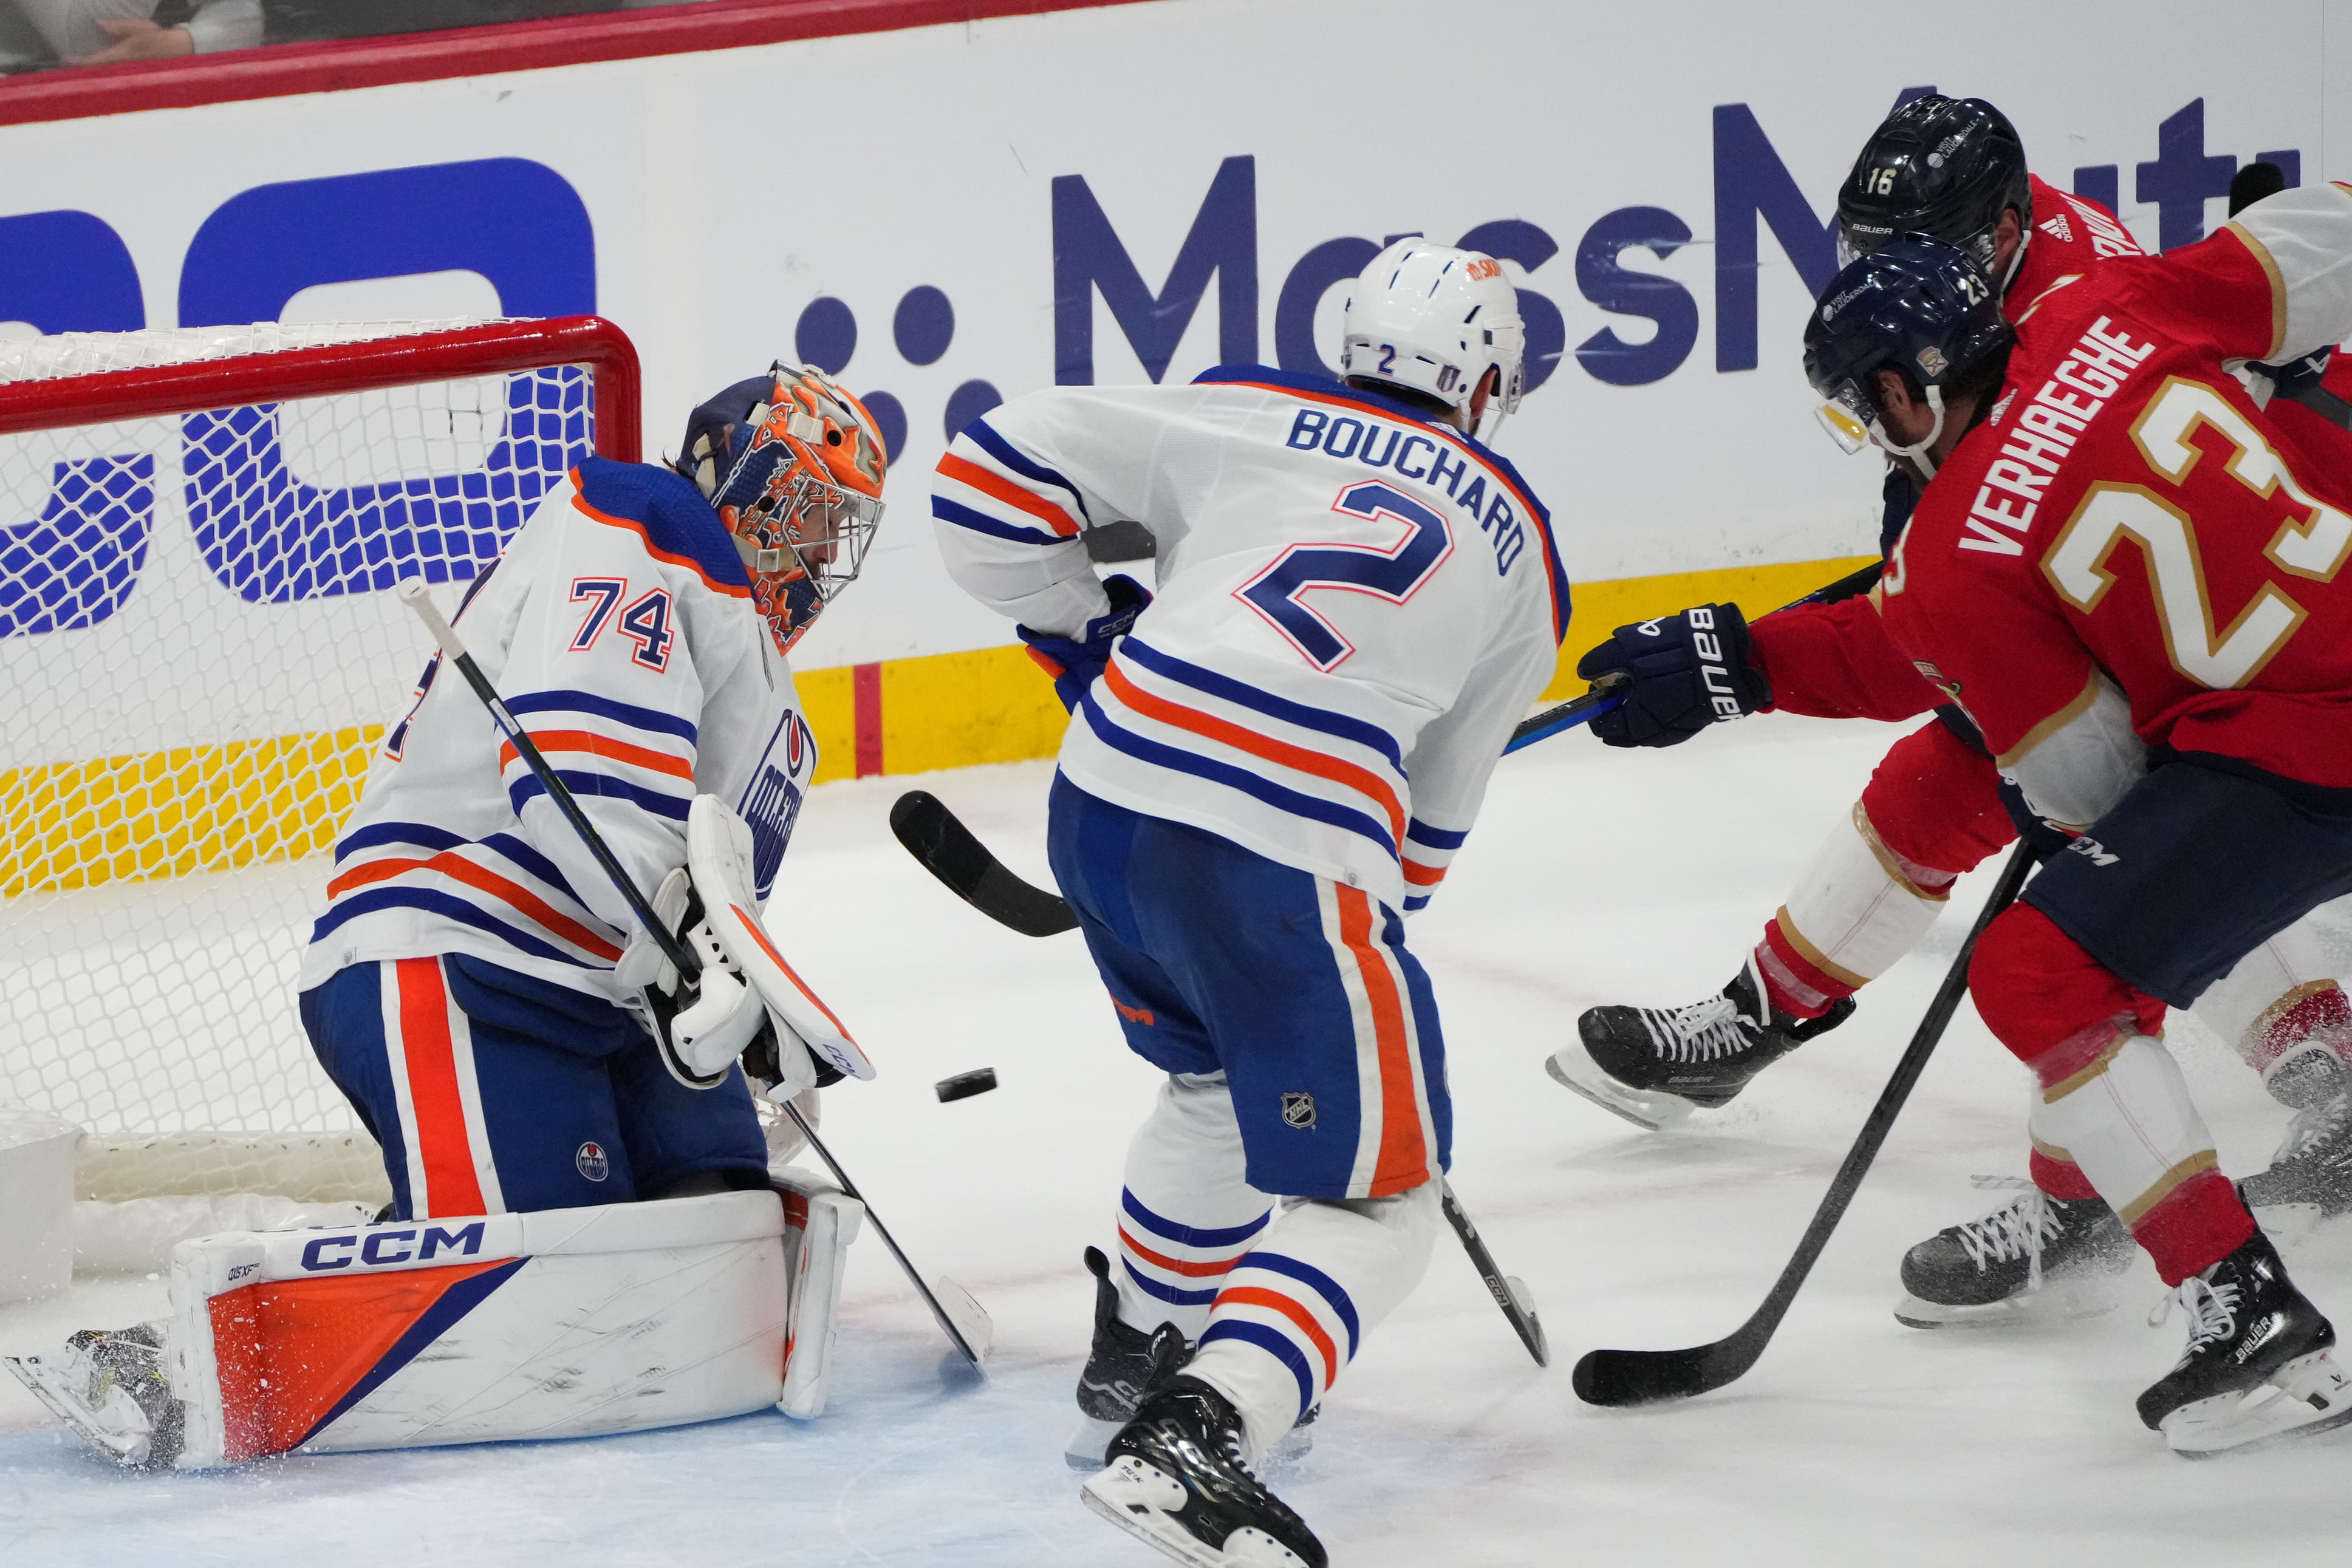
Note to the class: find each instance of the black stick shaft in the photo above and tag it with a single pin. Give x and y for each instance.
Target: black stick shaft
(1640, 1377)
(1523, 1323)
(850, 1188)
(1890, 1100)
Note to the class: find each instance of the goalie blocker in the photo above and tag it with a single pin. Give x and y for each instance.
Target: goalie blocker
(557, 1323)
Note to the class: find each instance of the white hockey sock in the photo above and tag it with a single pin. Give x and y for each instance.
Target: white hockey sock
(1859, 906)
(2281, 1001)
(2122, 1111)
(1188, 1211)
(1296, 1309)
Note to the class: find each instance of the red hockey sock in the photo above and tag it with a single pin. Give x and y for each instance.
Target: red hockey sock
(2193, 1226)
(2057, 1174)
(1793, 983)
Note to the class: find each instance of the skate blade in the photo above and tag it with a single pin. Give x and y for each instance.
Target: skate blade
(1144, 1501)
(1572, 1068)
(2053, 1303)
(1085, 1450)
(117, 1427)
(2306, 1396)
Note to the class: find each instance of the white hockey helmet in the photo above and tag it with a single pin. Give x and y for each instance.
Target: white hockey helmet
(1432, 318)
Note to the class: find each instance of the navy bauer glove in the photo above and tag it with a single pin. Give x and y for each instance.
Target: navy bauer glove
(1682, 673)
(1074, 662)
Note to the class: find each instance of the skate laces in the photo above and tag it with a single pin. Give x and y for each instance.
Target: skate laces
(2016, 1230)
(1699, 1032)
(2311, 1131)
(2212, 1310)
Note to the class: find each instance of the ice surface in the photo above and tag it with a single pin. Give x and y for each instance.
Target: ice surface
(1594, 877)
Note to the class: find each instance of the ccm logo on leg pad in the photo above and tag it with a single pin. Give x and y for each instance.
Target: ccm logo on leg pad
(388, 1246)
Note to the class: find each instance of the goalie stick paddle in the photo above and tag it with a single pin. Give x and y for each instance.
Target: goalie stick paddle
(973, 1334)
(1646, 1376)
(1509, 1293)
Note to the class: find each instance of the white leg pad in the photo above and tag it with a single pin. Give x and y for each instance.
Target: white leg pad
(820, 1222)
(559, 1324)
(1855, 908)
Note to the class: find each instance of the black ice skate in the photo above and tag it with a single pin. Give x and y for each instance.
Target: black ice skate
(1118, 1369)
(2313, 1166)
(2036, 1257)
(1653, 1066)
(2257, 1365)
(112, 1388)
(1176, 1478)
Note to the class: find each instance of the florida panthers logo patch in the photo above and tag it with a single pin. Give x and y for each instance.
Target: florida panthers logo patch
(592, 1160)
(1298, 1111)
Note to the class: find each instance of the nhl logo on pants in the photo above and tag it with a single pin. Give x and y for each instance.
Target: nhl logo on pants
(595, 1166)
(1298, 1110)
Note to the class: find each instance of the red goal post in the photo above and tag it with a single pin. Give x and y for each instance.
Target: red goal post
(367, 364)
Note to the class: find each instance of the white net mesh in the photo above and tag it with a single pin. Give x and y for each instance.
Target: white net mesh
(199, 659)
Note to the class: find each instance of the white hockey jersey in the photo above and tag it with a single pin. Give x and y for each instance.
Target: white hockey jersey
(1355, 604)
(619, 627)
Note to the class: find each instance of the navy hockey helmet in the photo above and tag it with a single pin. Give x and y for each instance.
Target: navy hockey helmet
(1944, 167)
(1914, 306)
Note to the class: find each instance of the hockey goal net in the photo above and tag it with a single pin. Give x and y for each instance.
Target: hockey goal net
(200, 657)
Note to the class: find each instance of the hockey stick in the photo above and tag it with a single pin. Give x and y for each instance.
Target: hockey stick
(1645, 1376)
(946, 849)
(412, 592)
(1509, 1292)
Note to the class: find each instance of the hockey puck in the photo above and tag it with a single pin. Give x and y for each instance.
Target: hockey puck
(964, 1085)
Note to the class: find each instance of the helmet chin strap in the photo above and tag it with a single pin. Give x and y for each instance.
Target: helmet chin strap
(1918, 451)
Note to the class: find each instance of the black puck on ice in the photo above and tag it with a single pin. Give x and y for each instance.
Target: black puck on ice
(964, 1085)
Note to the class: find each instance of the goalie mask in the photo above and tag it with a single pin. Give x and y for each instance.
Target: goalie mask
(792, 464)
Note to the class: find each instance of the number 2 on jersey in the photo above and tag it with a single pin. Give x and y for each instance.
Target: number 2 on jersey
(1394, 574)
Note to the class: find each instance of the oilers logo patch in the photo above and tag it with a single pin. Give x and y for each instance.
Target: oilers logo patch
(1298, 1111)
(592, 1160)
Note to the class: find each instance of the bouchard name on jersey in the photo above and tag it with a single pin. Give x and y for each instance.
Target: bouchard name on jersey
(2130, 553)
(1355, 603)
(620, 628)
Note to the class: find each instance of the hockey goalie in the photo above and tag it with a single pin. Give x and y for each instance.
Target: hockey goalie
(589, 1232)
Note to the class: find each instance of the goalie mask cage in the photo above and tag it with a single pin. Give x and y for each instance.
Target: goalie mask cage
(200, 659)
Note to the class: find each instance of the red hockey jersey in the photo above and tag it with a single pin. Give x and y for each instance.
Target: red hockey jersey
(2128, 553)
(1835, 661)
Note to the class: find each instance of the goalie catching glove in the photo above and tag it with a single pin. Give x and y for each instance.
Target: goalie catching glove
(1680, 674)
(745, 999)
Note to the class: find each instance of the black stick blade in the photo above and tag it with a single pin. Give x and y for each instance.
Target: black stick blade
(948, 851)
(1622, 1377)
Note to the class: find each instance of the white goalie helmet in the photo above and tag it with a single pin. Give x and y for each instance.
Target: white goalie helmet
(1432, 318)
